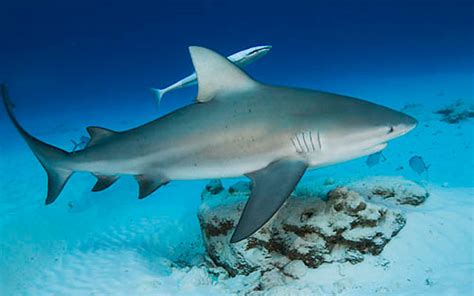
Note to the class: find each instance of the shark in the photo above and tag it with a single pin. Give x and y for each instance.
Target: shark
(241, 59)
(237, 127)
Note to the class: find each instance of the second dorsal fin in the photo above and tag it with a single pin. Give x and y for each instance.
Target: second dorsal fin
(216, 74)
(98, 134)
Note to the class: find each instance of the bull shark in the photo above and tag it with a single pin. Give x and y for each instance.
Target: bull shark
(241, 59)
(237, 126)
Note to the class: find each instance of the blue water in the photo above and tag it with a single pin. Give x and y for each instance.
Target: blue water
(72, 65)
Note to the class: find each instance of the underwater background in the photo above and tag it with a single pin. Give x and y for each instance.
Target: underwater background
(70, 65)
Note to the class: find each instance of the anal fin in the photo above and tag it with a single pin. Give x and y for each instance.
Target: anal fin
(149, 184)
(271, 186)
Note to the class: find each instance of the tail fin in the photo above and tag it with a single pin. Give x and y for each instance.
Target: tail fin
(159, 93)
(51, 158)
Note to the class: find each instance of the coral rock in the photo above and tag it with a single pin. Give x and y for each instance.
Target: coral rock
(309, 229)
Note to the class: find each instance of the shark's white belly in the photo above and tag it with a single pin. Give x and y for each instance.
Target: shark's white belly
(231, 156)
(228, 169)
(215, 164)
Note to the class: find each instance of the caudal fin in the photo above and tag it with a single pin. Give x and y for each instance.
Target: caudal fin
(51, 158)
(158, 93)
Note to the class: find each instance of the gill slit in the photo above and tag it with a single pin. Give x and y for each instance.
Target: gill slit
(294, 145)
(305, 144)
(299, 143)
(319, 142)
(311, 140)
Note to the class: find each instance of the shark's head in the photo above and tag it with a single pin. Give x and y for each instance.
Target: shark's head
(358, 128)
(257, 52)
(247, 56)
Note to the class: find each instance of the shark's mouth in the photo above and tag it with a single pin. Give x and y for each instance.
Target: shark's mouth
(260, 49)
(375, 149)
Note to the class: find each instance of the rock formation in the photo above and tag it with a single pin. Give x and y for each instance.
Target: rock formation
(310, 229)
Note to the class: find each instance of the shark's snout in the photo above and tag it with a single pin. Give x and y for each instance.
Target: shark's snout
(411, 122)
(407, 123)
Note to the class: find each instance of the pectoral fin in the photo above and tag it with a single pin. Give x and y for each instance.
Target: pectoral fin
(104, 182)
(271, 186)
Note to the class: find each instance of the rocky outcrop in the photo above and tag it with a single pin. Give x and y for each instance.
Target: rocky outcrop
(392, 190)
(456, 112)
(310, 229)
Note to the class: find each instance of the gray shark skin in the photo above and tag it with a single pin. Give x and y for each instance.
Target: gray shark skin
(238, 126)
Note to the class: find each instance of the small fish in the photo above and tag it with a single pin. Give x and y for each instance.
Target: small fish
(83, 141)
(418, 164)
(374, 159)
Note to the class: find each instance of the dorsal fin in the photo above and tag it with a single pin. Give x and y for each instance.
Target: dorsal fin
(216, 74)
(97, 134)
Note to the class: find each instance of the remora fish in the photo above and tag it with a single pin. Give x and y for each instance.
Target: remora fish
(241, 59)
(238, 126)
(83, 141)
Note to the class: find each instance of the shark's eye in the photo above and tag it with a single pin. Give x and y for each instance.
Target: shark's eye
(391, 130)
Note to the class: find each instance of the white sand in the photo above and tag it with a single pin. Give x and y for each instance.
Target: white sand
(130, 255)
